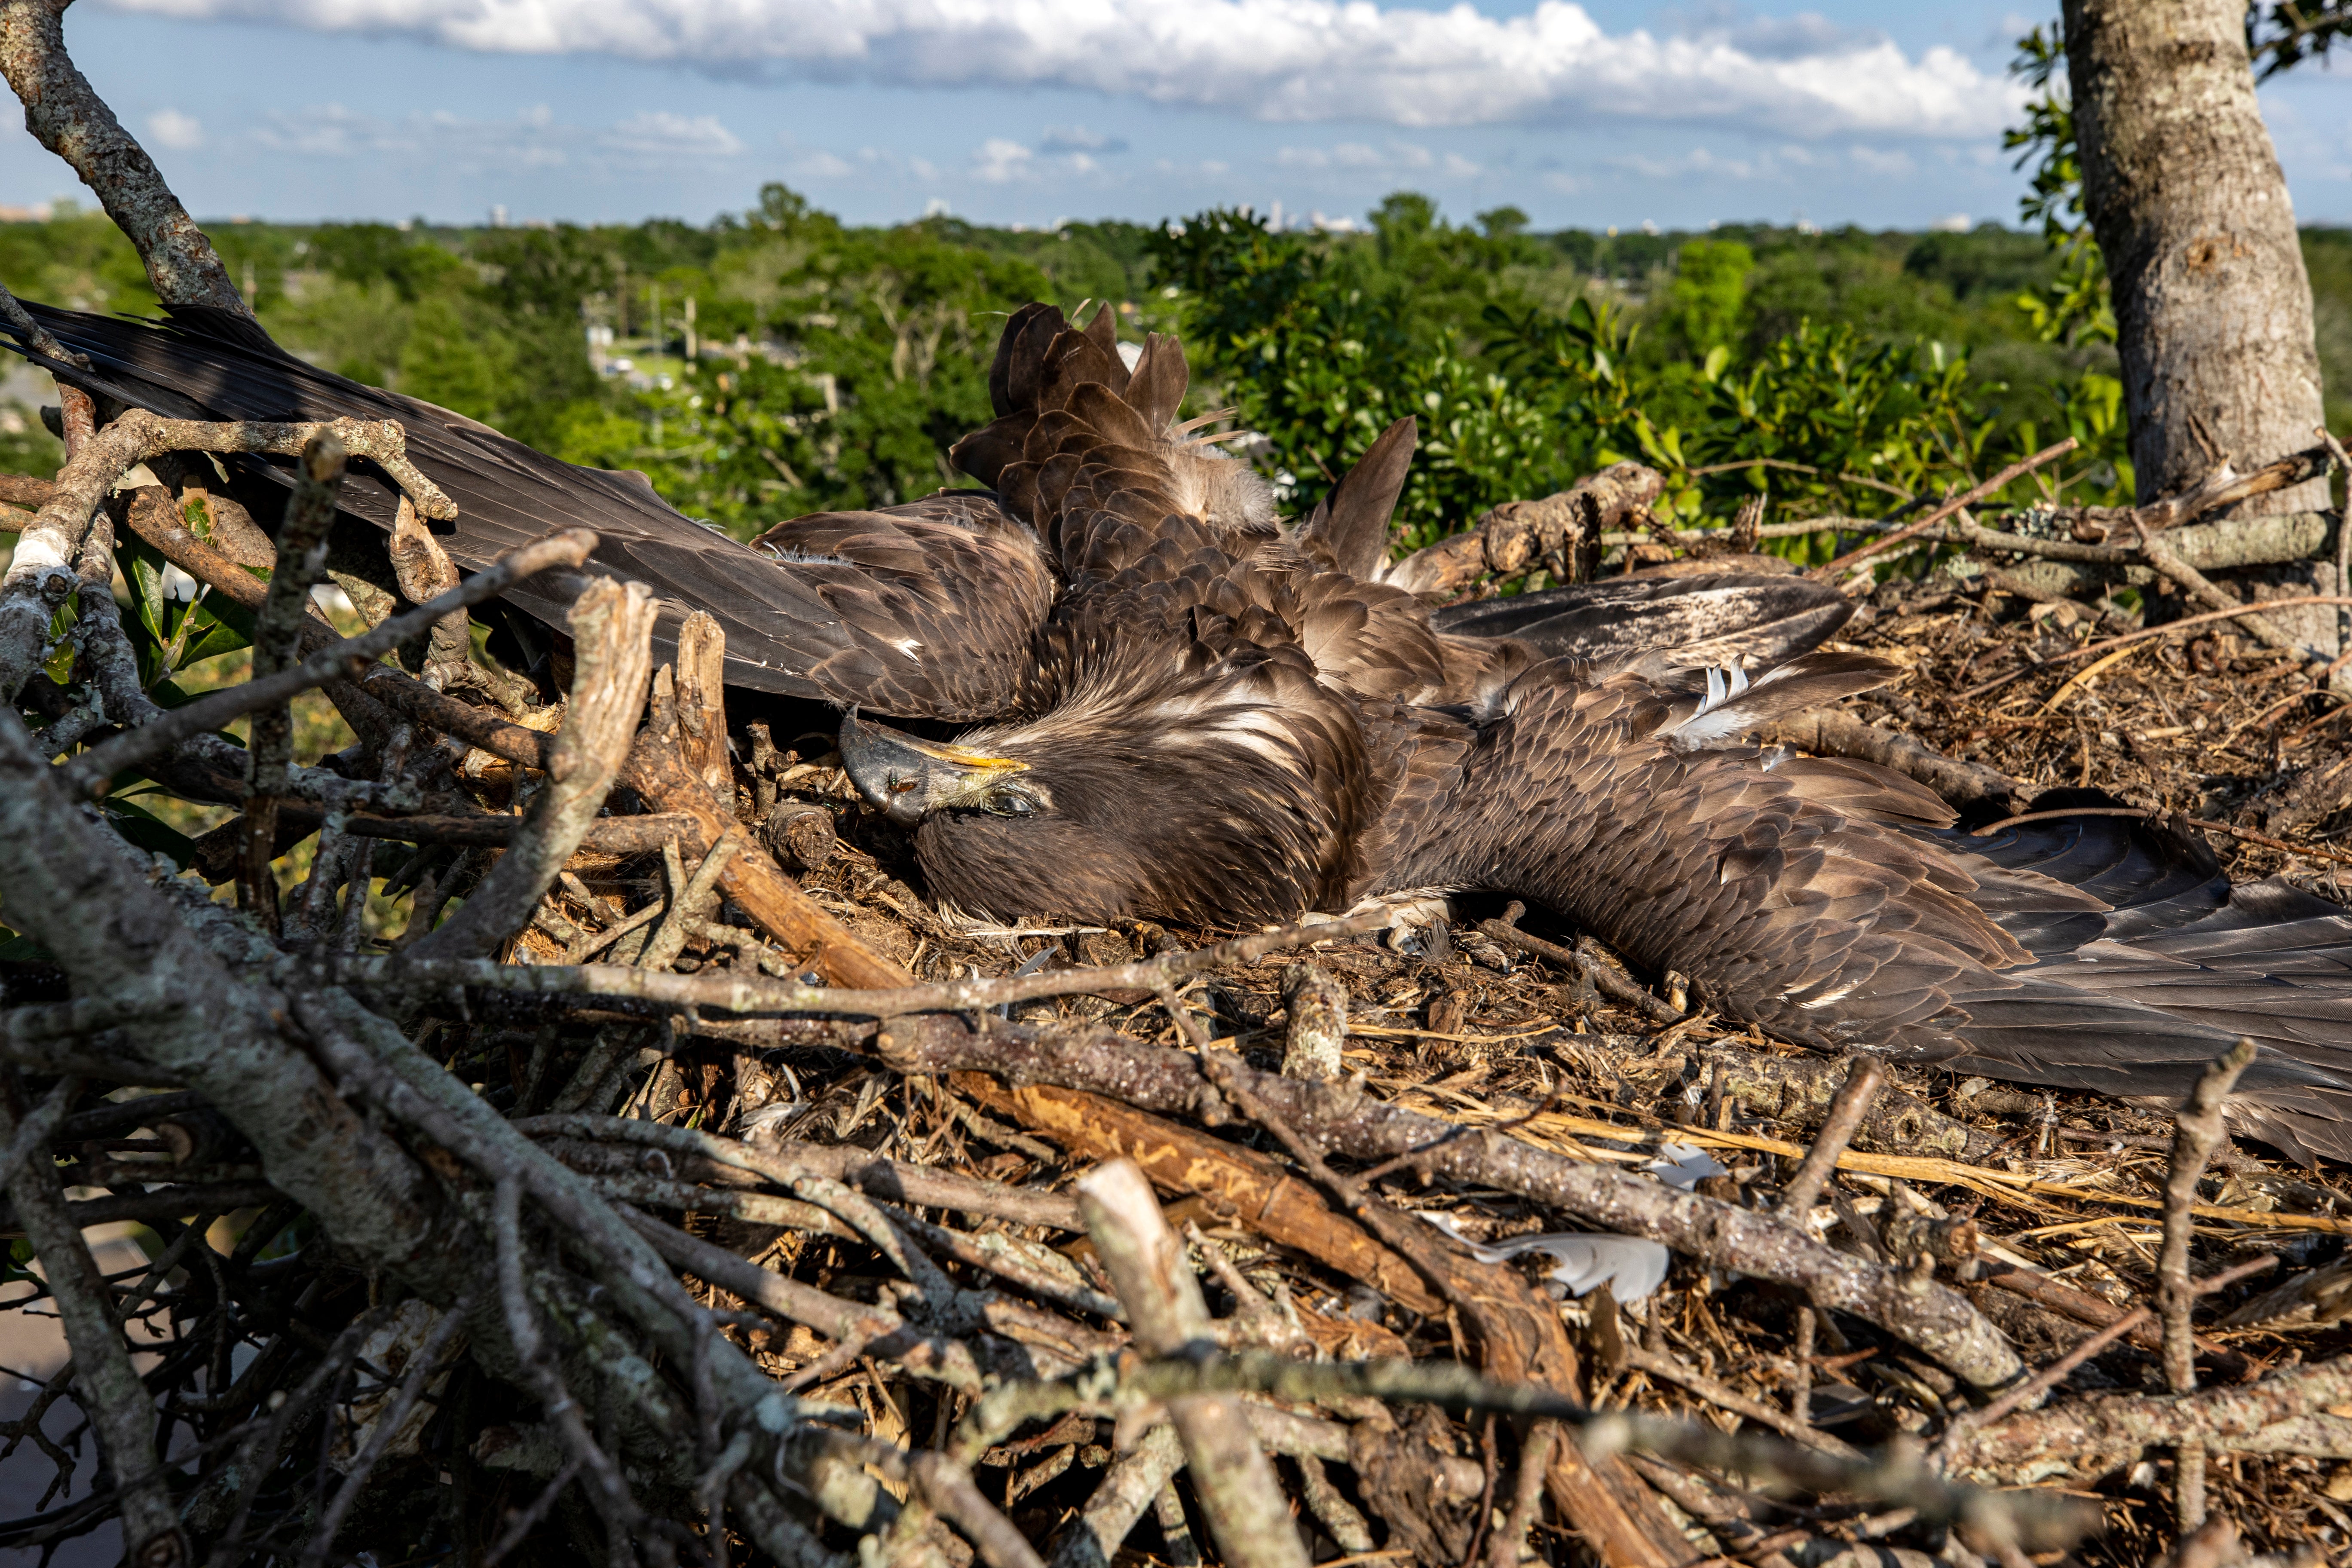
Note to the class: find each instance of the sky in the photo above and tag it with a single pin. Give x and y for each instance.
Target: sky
(1598, 113)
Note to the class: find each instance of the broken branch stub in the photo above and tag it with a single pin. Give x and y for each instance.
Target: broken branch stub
(612, 628)
(1233, 1477)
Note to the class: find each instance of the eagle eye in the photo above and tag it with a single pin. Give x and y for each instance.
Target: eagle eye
(1007, 802)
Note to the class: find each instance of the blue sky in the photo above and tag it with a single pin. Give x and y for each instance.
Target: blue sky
(1607, 111)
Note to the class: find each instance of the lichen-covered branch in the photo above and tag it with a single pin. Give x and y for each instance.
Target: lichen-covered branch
(66, 116)
(119, 1408)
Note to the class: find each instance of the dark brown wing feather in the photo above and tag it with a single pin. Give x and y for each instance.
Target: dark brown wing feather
(1156, 390)
(1831, 902)
(1349, 530)
(784, 632)
(1657, 623)
(938, 599)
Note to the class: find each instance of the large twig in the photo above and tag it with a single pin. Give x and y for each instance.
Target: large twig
(612, 629)
(66, 116)
(276, 644)
(747, 992)
(609, 1489)
(2202, 1127)
(425, 571)
(2198, 587)
(35, 1129)
(1230, 1474)
(1898, 1476)
(1863, 1081)
(1343, 1119)
(1340, 1117)
(39, 574)
(116, 934)
(1833, 733)
(1609, 982)
(1829, 574)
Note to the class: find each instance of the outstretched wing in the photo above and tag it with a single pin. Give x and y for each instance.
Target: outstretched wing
(1656, 624)
(813, 630)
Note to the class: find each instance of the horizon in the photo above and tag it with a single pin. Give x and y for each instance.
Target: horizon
(1608, 113)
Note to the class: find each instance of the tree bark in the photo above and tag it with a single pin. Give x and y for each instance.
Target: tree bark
(2183, 189)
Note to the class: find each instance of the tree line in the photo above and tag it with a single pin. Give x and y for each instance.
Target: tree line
(833, 366)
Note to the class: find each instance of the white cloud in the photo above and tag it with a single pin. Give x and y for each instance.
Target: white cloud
(1704, 162)
(658, 135)
(1078, 139)
(533, 139)
(822, 165)
(180, 132)
(1000, 161)
(1882, 161)
(1273, 59)
(1397, 159)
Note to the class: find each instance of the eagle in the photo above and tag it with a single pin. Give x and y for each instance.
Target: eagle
(1122, 685)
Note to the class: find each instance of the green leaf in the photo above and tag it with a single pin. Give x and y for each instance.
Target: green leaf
(149, 832)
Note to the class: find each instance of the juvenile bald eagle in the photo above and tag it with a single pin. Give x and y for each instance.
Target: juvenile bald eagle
(1180, 706)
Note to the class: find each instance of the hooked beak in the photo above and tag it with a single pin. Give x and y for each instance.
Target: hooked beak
(907, 777)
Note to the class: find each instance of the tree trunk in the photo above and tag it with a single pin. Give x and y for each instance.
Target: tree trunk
(2212, 305)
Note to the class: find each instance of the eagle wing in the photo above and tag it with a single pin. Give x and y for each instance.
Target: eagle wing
(941, 601)
(952, 578)
(1656, 624)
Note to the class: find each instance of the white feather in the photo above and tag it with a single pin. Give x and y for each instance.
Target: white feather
(1631, 1266)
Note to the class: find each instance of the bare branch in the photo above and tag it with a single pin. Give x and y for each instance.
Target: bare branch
(1348, 1122)
(34, 1130)
(119, 1408)
(69, 118)
(1863, 1081)
(425, 571)
(1230, 1474)
(612, 629)
(2201, 1127)
(276, 644)
(738, 993)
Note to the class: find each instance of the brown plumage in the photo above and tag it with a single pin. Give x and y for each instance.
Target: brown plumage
(1187, 709)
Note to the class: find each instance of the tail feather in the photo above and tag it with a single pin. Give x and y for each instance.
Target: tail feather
(1156, 388)
(2136, 998)
(1350, 529)
(1082, 448)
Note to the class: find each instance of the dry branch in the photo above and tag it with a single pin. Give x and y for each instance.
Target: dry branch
(2016, 470)
(1235, 1482)
(612, 629)
(1864, 1080)
(1344, 1120)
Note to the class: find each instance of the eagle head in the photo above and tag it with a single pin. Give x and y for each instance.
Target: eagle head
(1203, 812)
